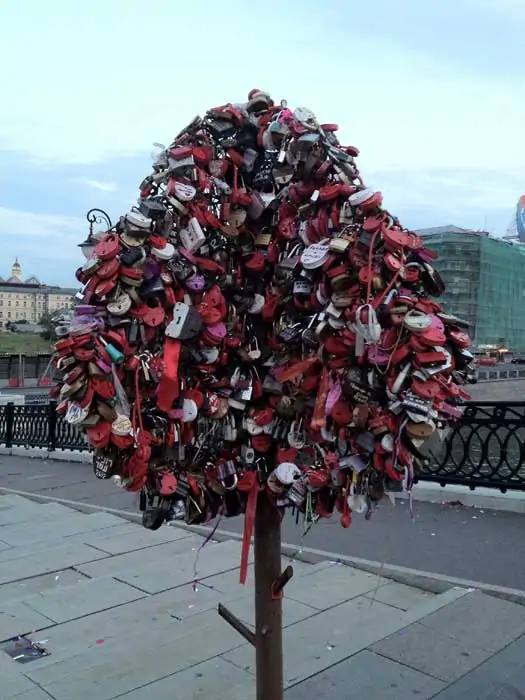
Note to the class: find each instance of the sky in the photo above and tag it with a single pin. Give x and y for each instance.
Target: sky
(430, 91)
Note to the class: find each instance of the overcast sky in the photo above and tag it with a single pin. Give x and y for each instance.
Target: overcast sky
(431, 91)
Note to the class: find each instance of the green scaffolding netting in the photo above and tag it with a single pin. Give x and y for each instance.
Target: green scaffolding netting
(485, 280)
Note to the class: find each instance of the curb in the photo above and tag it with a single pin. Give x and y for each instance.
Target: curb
(426, 580)
(425, 491)
(43, 453)
(490, 499)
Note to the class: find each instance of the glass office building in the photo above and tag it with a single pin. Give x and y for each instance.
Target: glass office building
(485, 280)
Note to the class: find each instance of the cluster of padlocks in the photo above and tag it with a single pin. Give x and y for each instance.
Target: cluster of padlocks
(260, 321)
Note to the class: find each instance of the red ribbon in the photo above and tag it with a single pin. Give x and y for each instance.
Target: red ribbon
(295, 370)
(319, 417)
(168, 389)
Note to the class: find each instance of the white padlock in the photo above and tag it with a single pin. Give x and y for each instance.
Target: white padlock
(314, 256)
(192, 237)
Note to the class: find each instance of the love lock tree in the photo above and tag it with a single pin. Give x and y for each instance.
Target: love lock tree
(258, 334)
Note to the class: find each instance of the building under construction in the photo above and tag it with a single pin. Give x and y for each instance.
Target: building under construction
(485, 280)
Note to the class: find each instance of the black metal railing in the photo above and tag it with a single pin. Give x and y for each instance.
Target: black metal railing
(486, 448)
(38, 426)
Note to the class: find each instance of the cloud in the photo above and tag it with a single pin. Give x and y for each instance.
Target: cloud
(35, 225)
(45, 244)
(404, 93)
(50, 232)
(466, 197)
(502, 7)
(98, 184)
(455, 189)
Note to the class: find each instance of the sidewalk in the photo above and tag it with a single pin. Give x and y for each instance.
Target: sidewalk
(114, 606)
(473, 544)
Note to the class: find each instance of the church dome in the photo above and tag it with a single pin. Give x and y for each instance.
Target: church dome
(16, 271)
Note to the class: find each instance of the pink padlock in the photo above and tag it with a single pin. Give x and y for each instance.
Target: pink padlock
(451, 411)
(214, 334)
(377, 355)
(103, 366)
(196, 283)
(436, 323)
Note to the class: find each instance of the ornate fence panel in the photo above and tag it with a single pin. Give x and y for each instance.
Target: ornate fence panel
(486, 448)
(38, 426)
(67, 437)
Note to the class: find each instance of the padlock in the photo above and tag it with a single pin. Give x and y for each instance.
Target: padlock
(186, 323)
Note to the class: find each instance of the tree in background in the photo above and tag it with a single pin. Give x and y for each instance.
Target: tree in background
(48, 325)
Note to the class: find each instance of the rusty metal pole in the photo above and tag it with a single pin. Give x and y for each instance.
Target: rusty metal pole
(268, 607)
(269, 586)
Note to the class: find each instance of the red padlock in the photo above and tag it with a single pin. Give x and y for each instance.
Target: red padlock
(108, 247)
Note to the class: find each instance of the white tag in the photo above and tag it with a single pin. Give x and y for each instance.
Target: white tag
(180, 313)
(138, 220)
(357, 503)
(246, 394)
(331, 310)
(305, 117)
(121, 425)
(165, 253)
(387, 442)
(209, 355)
(184, 192)
(252, 428)
(302, 232)
(257, 306)
(302, 287)
(314, 256)
(286, 473)
(75, 414)
(178, 205)
(357, 463)
(360, 197)
(189, 411)
(192, 237)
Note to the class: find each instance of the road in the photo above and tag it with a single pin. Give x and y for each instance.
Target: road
(481, 545)
(26, 390)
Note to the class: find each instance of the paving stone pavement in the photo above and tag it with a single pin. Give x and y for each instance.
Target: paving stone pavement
(116, 608)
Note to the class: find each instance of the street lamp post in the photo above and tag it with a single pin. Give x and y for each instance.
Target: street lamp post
(94, 216)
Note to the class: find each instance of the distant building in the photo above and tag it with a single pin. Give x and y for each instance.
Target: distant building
(485, 280)
(28, 300)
